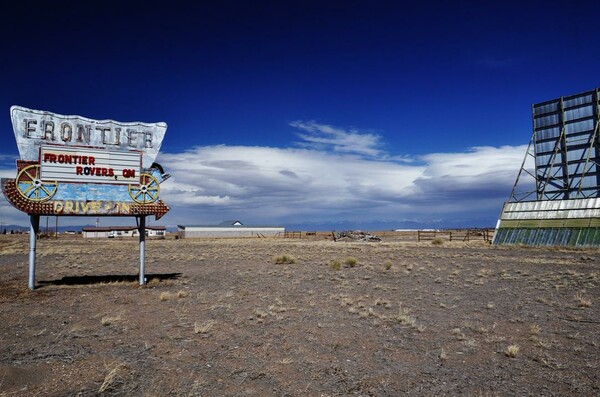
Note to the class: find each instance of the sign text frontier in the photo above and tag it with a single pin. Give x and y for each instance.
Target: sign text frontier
(36, 128)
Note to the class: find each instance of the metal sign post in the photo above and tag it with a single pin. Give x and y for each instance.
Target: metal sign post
(33, 232)
(75, 166)
(142, 230)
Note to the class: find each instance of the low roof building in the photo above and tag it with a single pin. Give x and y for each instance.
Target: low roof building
(233, 228)
(121, 231)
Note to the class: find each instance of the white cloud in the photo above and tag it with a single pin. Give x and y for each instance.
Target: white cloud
(339, 174)
(323, 136)
(479, 178)
(291, 185)
(8, 213)
(284, 181)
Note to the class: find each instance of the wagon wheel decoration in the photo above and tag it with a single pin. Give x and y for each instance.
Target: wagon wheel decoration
(31, 186)
(147, 191)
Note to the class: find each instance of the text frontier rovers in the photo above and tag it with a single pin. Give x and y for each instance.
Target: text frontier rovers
(82, 133)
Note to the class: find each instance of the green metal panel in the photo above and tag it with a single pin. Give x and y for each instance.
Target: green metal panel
(559, 236)
(574, 237)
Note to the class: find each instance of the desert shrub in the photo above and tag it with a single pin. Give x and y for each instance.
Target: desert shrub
(437, 241)
(512, 351)
(153, 282)
(388, 265)
(335, 265)
(204, 328)
(583, 302)
(283, 259)
(164, 296)
(109, 320)
(350, 261)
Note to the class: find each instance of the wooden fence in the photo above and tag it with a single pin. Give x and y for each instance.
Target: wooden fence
(456, 235)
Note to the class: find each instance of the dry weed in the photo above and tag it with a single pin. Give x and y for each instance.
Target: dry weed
(109, 320)
(112, 376)
(153, 282)
(350, 261)
(404, 318)
(164, 296)
(205, 327)
(534, 329)
(512, 351)
(443, 355)
(335, 265)
(284, 259)
(583, 302)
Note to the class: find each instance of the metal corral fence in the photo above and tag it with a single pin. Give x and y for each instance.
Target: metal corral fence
(302, 234)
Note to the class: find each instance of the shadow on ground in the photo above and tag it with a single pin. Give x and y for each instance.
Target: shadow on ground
(104, 279)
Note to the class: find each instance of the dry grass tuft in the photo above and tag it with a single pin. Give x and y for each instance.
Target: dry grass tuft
(164, 296)
(182, 294)
(404, 318)
(583, 302)
(153, 282)
(259, 313)
(534, 329)
(285, 259)
(335, 265)
(112, 376)
(512, 351)
(350, 261)
(437, 241)
(205, 327)
(443, 355)
(108, 320)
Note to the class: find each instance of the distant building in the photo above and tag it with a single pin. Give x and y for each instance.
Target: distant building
(229, 229)
(122, 231)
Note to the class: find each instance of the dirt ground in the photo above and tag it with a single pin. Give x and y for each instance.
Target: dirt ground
(223, 318)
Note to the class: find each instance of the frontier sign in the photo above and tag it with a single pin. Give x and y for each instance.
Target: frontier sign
(72, 165)
(75, 166)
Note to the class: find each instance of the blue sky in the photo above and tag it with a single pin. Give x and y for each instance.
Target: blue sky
(312, 112)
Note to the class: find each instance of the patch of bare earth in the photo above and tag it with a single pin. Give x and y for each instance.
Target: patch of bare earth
(223, 318)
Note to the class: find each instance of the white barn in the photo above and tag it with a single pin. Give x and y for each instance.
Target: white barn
(229, 229)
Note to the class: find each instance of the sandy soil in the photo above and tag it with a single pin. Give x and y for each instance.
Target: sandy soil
(222, 318)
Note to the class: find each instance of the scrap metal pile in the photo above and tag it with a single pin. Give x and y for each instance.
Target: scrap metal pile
(354, 235)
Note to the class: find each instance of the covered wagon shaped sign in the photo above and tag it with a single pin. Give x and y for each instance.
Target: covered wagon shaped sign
(75, 166)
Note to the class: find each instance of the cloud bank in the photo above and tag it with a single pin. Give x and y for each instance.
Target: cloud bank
(332, 174)
(336, 174)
